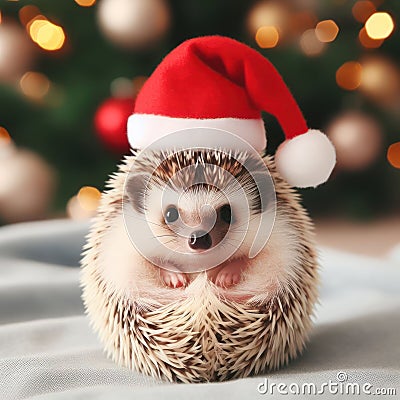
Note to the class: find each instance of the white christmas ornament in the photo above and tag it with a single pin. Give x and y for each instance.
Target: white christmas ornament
(27, 184)
(133, 23)
(16, 51)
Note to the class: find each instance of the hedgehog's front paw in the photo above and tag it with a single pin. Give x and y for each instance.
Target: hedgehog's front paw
(173, 279)
(227, 276)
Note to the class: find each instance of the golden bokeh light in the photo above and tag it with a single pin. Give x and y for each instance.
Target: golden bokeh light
(310, 44)
(267, 37)
(269, 14)
(27, 13)
(76, 212)
(348, 76)
(357, 138)
(380, 80)
(34, 85)
(4, 135)
(326, 31)
(47, 35)
(88, 198)
(33, 31)
(362, 10)
(367, 42)
(379, 25)
(393, 154)
(85, 3)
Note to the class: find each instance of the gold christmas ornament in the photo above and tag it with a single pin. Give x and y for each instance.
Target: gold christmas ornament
(357, 138)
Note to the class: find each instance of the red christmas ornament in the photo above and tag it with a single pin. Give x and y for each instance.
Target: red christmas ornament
(110, 122)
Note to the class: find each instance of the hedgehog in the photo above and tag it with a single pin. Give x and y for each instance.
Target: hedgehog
(169, 316)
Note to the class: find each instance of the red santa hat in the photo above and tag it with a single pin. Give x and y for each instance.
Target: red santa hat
(217, 82)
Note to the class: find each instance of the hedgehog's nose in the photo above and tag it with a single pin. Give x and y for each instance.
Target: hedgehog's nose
(200, 240)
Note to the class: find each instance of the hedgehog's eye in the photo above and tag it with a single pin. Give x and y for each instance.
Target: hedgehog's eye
(225, 213)
(171, 214)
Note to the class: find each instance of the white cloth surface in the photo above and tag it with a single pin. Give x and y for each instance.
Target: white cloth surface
(48, 350)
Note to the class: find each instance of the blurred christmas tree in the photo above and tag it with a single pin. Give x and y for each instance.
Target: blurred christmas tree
(59, 60)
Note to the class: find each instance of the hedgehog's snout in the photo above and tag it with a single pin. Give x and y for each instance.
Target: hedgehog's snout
(200, 240)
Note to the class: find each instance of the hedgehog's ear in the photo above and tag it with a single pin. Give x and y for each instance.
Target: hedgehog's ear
(135, 189)
(266, 190)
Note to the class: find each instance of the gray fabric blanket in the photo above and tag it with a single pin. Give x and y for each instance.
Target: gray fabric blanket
(48, 351)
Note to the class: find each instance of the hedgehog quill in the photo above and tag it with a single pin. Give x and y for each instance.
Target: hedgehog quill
(200, 264)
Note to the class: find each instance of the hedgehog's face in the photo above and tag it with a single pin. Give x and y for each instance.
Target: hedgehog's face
(193, 219)
(199, 218)
(201, 208)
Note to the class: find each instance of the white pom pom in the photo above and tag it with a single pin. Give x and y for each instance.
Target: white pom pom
(306, 160)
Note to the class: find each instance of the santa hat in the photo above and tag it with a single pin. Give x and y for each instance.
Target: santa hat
(217, 82)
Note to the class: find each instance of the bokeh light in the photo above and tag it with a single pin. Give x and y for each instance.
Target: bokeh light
(380, 80)
(27, 13)
(4, 135)
(362, 10)
(16, 52)
(310, 44)
(76, 212)
(348, 76)
(326, 31)
(367, 42)
(268, 14)
(379, 25)
(34, 85)
(267, 37)
(85, 3)
(88, 198)
(47, 35)
(357, 138)
(393, 154)
(34, 31)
